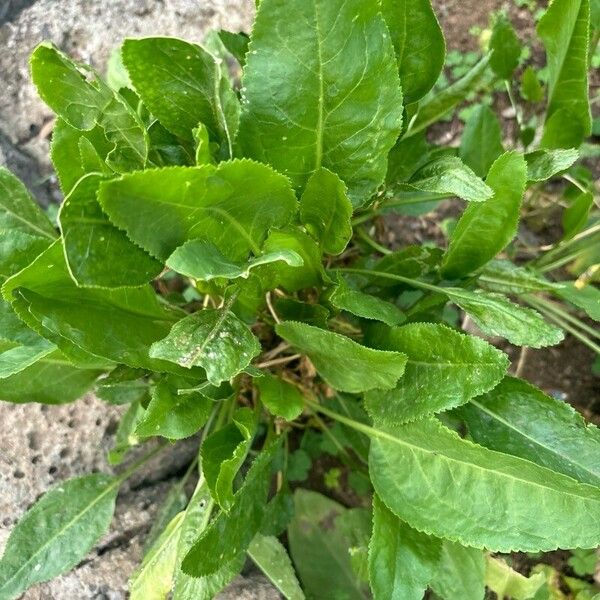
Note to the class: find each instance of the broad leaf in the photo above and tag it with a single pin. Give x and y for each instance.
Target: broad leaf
(468, 486)
(504, 277)
(505, 46)
(25, 231)
(435, 106)
(204, 261)
(320, 546)
(325, 211)
(173, 416)
(449, 175)
(345, 365)
(504, 581)
(281, 398)
(587, 298)
(231, 533)
(444, 369)
(57, 532)
(402, 560)
(93, 245)
(271, 557)
(495, 315)
(517, 418)
(460, 573)
(347, 121)
(183, 85)
(365, 305)
(485, 229)
(419, 44)
(214, 339)
(232, 206)
(564, 29)
(545, 164)
(481, 141)
(223, 453)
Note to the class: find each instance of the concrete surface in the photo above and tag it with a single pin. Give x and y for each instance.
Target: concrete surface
(41, 445)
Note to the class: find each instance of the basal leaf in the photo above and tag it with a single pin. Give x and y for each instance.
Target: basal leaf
(402, 560)
(576, 215)
(173, 416)
(233, 206)
(564, 30)
(204, 261)
(93, 245)
(214, 339)
(504, 277)
(419, 44)
(505, 46)
(495, 315)
(57, 532)
(281, 398)
(344, 365)
(485, 229)
(504, 581)
(405, 158)
(587, 298)
(236, 44)
(517, 418)
(182, 84)
(350, 112)
(444, 369)
(223, 453)
(271, 557)
(460, 572)
(545, 164)
(481, 141)
(449, 175)
(468, 486)
(325, 211)
(230, 533)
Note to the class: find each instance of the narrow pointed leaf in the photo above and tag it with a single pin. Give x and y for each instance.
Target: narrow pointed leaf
(586, 298)
(485, 229)
(57, 532)
(481, 141)
(419, 44)
(444, 369)
(468, 486)
(506, 278)
(344, 365)
(347, 121)
(281, 398)
(402, 560)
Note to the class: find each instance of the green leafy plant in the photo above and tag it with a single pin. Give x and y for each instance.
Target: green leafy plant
(216, 271)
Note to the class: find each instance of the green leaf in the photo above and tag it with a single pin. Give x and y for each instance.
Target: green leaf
(419, 44)
(485, 229)
(408, 155)
(281, 398)
(402, 560)
(505, 46)
(347, 120)
(365, 305)
(587, 298)
(435, 106)
(320, 548)
(504, 277)
(325, 211)
(232, 206)
(468, 486)
(576, 215)
(531, 88)
(545, 164)
(125, 437)
(481, 141)
(444, 369)
(214, 339)
(230, 533)
(183, 85)
(449, 175)
(495, 315)
(154, 577)
(98, 254)
(345, 365)
(57, 532)
(460, 573)
(204, 261)
(517, 418)
(564, 30)
(223, 453)
(89, 325)
(25, 231)
(77, 95)
(173, 416)
(270, 556)
(504, 581)
(236, 44)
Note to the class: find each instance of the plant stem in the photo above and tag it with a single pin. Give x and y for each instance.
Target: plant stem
(412, 282)
(140, 463)
(363, 235)
(278, 361)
